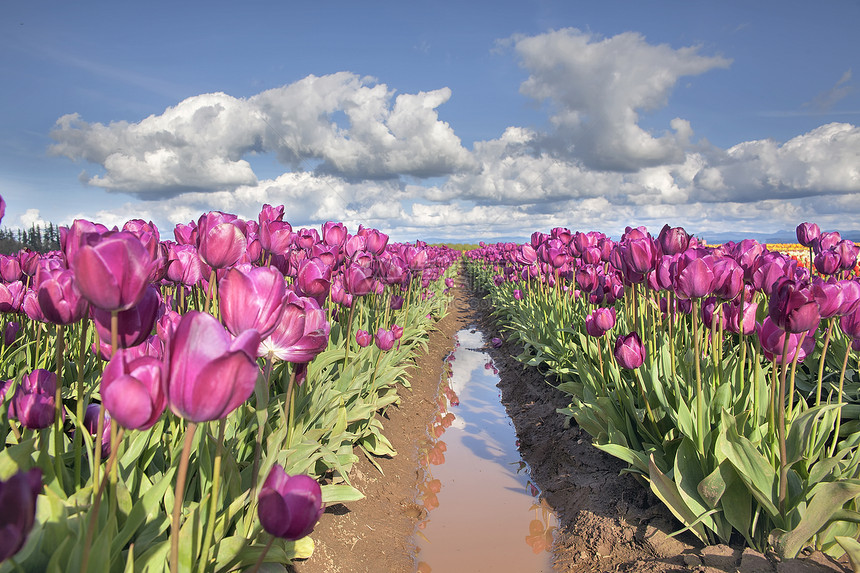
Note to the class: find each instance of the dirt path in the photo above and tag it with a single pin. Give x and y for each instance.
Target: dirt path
(608, 522)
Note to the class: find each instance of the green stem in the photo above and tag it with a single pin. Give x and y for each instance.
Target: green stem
(700, 397)
(839, 401)
(58, 408)
(259, 562)
(830, 323)
(179, 497)
(793, 371)
(780, 413)
(288, 405)
(213, 498)
(79, 406)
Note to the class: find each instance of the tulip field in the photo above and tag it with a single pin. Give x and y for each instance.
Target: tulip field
(725, 376)
(192, 404)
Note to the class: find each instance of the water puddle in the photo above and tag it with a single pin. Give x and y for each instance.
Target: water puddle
(482, 512)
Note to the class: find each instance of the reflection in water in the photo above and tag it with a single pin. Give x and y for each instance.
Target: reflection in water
(490, 506)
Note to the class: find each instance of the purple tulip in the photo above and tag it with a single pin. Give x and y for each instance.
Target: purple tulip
(313, 279)
(694, 275)
(91, 423)
(301, 333)
(827, 262)
(384, 339)
(396, 302)
(772, 340)
(10, 269)
(825, 241)
(770, 268)
(33, 403)
(132, 391)
(792, 307)
(71, 237)
(18, 508)
(733, 320)
(376, 241)
(289, 506)
(209, 374)
(829, 296)
(221, 239)
(847, 251)
(673, 240)
(807, 233)
(397, 331)
(358, 280)
(112, 269)
(728, 278)
(252, 298)
(10, 333)
(184, 265)
(850, 324)
(850, 296)
(133, 325)
(629, 351)
(59, 298)
(363, 338)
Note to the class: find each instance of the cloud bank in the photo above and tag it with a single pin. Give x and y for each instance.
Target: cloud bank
(353, 150)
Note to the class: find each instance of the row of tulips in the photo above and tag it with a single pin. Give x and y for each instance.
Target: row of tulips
(726, 376)
(193, 404)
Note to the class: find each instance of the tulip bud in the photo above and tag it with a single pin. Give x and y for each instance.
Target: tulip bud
(289, 506)
(33, 402)
(807, 233)
(384, 339)
(132, 391)
(629, 351)
(363, 338)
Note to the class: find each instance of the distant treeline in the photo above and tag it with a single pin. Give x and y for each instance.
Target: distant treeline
(37, 238)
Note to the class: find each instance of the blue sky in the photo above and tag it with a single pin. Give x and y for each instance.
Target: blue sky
(437, 120)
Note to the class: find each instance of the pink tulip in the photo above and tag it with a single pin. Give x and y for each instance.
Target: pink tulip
(269, 213)
(384, 339)
(792, 306)
(112, 270)
(334, 234)
(59, 298)
(71, 237)
(673, 240)
(313, 279)
(209, 374)
(251, 298)
(133, 391)
(184, 266)
(33, 402)
(276, 237)
(772, 340)
(301, 333)
(221, 239)
(363, 338)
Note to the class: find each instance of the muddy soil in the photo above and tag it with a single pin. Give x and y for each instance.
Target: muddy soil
(608, 521)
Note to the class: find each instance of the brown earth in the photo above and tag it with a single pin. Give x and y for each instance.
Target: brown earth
(607, 520)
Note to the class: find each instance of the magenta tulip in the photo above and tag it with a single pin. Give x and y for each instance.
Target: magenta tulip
(185, 266)
(221, 239)
(358, 280)
(59, 298)
(792, 306)
(629, 351)
(135, 324)
(728, 278)
(33, 402)
(91, 423)
(384, 339)
(276, 237)
(827, 262)
(10, 269)
(334, 234)
(807, 233)
(209, 374)
(376, 241)
(289, 506)
(112, 270)
(363, 338)
(132, 391)
(825, 241)
(772, 340)
(673, 240)
(850, 324)
(18, 509)
(71, 237)
(301, 333)
(694, 275)
(252, 298)
(313, 279)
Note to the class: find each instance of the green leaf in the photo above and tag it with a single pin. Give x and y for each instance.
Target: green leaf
(852, 550)
(667, 491)
(826, 499)
(340, 493)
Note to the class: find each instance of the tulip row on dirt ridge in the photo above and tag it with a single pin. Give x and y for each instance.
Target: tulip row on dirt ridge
(281, 345)
(726, 376)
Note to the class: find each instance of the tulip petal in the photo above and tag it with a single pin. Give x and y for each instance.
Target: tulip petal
(128, 401)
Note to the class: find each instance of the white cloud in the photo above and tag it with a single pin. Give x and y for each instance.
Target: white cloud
(31, 217)
(200, 144)
(598, 86)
